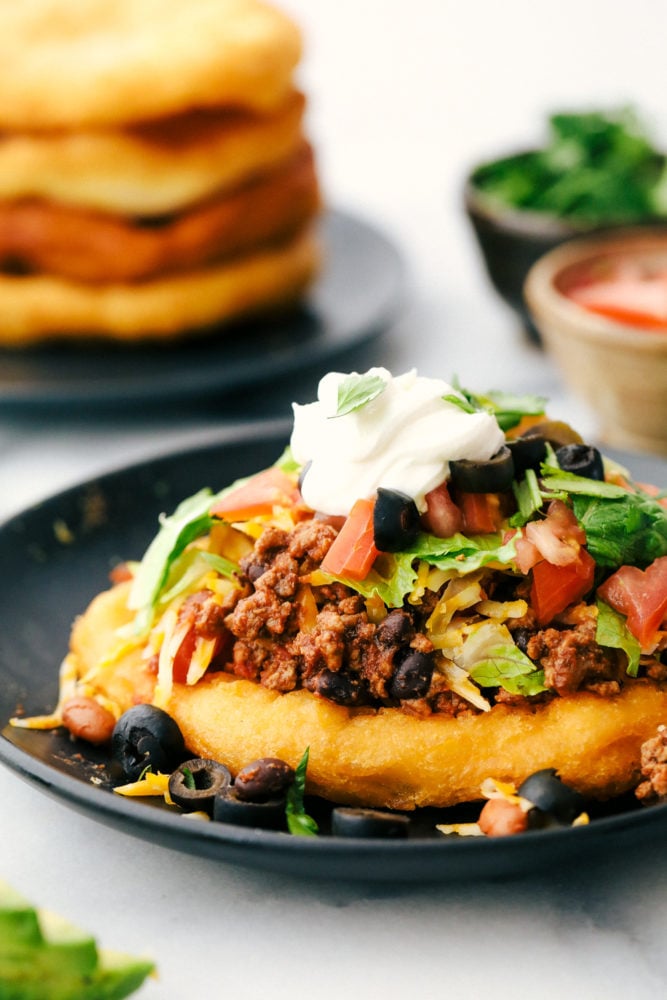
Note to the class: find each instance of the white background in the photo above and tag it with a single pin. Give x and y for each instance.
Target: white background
(404, 98)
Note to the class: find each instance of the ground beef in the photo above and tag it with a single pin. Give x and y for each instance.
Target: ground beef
(654, 768)
(571, 660)
(333, 649)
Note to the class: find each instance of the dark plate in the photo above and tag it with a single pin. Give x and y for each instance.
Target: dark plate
(355, 299)
(55, 557)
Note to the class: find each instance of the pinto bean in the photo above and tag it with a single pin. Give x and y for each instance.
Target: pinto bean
(87, 720)
(500, 817)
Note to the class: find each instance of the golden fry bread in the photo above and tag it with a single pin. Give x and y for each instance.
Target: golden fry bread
(154, 168)
(91, 247)
(384, 758)
(387, 758)
(69, 64)
(36, 308)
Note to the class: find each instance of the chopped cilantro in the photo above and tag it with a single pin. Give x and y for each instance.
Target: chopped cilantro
(298, 820)
(356, 390)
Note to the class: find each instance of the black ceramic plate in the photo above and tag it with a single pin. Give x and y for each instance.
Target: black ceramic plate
(55, 557)
(355, 299)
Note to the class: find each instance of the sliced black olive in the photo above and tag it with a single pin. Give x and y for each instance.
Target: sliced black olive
(349, 822)
(266, 778)
(582, 459)
(413, 676)
(492, 476)
(146, 736)
(229, 808)
(528, 451)
(554, 801)
(194, 785)
(395, 520)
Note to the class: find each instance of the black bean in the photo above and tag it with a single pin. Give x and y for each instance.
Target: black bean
(337, 687)
(266, 778)
(412, 679)
(395, 630)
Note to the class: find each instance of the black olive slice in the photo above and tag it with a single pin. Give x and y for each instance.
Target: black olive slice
(229, 808)
(492, 476)
(266, 778)
(395, 520)
(582, 459)
(554, 801)
(528, 452)
(412, 678)
(146, 736)
(207, 776)
(350, 822)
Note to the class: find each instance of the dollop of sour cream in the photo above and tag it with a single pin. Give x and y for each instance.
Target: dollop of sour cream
(402, 439)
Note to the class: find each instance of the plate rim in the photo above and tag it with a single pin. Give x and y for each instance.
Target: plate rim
(18, 398)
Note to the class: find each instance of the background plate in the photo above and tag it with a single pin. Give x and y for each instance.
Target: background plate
(56, 556)
(355, 299)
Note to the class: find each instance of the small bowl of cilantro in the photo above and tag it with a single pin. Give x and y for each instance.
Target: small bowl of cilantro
(597, 170)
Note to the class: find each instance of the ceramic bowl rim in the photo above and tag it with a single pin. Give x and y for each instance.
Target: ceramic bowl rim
(543, 296)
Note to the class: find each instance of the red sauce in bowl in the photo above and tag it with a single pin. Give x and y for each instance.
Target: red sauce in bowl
(628, 291)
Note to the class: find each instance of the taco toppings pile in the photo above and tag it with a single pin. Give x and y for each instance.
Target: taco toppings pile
(430, 588)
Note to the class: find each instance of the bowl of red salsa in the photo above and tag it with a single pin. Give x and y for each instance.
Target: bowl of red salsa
(600, 305)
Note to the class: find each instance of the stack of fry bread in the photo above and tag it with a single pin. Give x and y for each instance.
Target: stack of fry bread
(155, 175)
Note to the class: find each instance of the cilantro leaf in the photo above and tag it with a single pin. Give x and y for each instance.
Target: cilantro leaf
(506, 407)
(298, 820)
(611, 630)
(630, 530)
(356, 390)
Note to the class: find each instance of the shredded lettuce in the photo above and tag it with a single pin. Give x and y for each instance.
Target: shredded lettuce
(463, 553)
(494, 660)
(612, 631)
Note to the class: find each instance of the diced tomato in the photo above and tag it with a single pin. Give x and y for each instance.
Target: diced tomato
(482, 512)
(268, 489)
(559, 536)
(527, 554)
(353, 550)
(442, 517)
(641, 595)
(183, 656)
(554, 588)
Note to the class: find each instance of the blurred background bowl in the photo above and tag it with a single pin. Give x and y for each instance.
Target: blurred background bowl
(596, 169)
(511, 241)
(617, 367)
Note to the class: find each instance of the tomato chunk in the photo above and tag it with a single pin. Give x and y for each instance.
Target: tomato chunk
(641, 595)
(554, 588)
(482, 512)
(268, 489)
(353, 550)
(442, 517)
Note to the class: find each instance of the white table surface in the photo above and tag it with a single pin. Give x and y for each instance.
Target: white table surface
(404, 97)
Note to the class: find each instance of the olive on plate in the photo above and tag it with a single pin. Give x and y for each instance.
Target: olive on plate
(228, 807)
(554, 803)
(195, 783)
(146, 736)
(347, 821)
